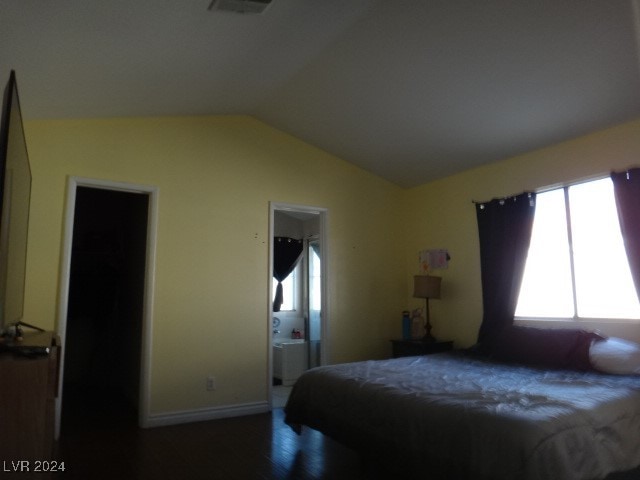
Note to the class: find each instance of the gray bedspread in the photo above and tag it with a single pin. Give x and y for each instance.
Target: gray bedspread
(457, 416)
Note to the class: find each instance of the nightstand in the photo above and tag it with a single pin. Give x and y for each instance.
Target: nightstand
(408, 348)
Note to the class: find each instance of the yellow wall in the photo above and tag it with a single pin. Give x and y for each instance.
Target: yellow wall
(216, 176)
(441, 215)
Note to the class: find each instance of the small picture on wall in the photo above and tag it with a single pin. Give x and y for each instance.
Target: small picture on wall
(434, 259)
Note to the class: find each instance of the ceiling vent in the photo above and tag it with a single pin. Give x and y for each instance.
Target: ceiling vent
(255, 7)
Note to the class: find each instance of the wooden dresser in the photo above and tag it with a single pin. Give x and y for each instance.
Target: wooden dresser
(28, 390)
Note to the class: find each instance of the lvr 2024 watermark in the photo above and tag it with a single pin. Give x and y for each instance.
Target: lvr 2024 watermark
(32, 466)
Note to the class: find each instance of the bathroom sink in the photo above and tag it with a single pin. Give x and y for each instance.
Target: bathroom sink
(278, 343)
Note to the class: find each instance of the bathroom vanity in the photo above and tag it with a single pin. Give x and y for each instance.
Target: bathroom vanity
(289, 360)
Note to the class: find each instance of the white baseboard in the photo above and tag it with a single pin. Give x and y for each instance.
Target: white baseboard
(204, 414)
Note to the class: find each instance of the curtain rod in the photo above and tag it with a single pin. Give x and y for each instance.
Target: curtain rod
(508, 197)
(589, 178)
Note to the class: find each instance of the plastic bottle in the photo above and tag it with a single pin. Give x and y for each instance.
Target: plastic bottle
(406, 325)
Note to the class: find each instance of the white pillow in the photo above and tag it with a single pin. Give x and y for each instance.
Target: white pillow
(615, 355)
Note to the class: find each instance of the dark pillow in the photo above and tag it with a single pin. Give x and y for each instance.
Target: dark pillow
(549, 348)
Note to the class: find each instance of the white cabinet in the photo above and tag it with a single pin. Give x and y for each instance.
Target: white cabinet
(289, 361)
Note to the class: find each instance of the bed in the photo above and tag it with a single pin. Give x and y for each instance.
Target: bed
(461, 415)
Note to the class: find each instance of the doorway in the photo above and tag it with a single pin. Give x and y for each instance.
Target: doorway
(298, 331)
(105, 299)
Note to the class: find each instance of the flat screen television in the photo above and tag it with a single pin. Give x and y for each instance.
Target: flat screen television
(15, 194)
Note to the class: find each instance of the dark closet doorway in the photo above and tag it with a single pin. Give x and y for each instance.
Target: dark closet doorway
(105, 309)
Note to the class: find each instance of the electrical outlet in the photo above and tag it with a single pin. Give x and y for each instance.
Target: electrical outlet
(211, 383)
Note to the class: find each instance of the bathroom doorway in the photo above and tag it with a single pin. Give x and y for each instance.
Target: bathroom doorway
(298, 329)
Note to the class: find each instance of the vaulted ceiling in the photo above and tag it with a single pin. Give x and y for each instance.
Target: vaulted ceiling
(411, 90)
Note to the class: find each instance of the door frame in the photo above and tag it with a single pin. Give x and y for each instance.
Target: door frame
(149, 280)
(324, 290)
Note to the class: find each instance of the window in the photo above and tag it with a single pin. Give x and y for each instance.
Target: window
(289, 290)
(577, 266)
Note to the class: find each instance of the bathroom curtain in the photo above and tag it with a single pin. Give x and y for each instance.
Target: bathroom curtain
(626, 187)
(504, 228)
(286, 255)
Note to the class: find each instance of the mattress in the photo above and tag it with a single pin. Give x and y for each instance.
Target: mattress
(460, 416)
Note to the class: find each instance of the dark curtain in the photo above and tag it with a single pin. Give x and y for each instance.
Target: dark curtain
(504, 228)
(286, 254)
(626, 187)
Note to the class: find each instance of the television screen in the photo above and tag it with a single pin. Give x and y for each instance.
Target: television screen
(15, 192)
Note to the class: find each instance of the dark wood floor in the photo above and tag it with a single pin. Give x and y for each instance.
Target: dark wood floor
(104, 442)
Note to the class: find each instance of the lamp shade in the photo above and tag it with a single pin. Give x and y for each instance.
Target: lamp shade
(426, 286)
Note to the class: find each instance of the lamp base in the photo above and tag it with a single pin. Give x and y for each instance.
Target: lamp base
(428, 338)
